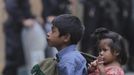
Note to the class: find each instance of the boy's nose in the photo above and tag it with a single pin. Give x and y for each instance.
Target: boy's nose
(48, 33)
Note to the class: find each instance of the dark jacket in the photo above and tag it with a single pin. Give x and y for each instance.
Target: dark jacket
(18, 9)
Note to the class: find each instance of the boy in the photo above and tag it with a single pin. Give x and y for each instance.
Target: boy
(66, 33)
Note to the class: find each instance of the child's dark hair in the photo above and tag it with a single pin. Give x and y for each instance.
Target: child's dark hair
(117, 45)
(68, 24)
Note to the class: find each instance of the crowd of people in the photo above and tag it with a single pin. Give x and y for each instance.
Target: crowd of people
(112, 44)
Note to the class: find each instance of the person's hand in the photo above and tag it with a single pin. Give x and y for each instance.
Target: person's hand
(100, 60)
(92, 66)
(50, 18)
(28, 22)
(100, 65)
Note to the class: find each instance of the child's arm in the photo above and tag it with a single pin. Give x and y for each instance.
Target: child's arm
(97, 64)
(101, 69)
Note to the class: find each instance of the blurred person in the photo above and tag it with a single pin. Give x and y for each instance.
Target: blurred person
(53, 8)
(19, 16)
(34, 43)
(129, 31)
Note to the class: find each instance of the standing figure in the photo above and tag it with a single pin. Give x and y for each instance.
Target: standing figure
(19, 15)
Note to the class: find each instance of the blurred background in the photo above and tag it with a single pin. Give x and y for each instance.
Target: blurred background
(116, 15)
(36, 9)
(3, 17)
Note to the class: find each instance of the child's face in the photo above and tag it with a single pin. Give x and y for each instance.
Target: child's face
(54, 39)
(105, 51)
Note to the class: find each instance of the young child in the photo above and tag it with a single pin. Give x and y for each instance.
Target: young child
(66, 32)
(112, 54)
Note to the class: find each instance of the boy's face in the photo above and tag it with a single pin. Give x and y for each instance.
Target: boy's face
(54, 39)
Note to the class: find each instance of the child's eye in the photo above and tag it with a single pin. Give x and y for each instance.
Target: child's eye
(104, 49)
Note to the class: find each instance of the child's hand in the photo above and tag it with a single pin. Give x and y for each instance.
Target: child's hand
(94, 63)
(92, 66)
(100, 65)
(100, 60)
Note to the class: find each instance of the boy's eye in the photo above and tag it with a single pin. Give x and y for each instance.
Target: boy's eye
(53, 30)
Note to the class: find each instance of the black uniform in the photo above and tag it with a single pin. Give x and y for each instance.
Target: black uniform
(17, 10)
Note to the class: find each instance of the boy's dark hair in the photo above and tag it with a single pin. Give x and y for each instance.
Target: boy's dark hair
(117, 45)
(68, 24)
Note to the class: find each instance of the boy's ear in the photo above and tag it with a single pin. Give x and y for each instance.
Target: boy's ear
(67, 37)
